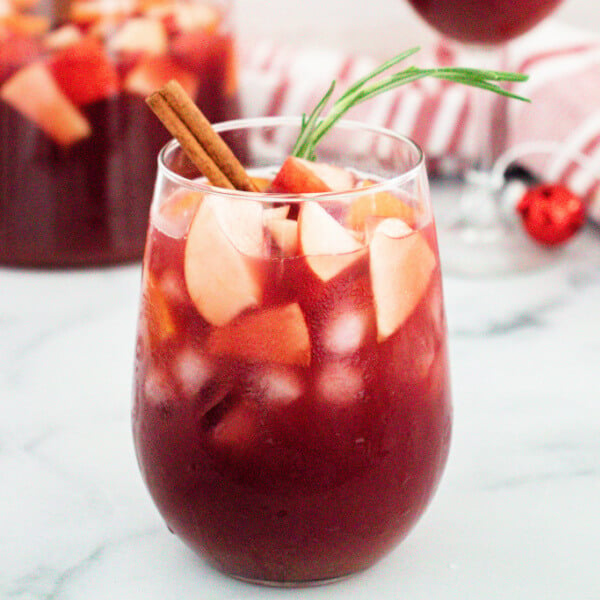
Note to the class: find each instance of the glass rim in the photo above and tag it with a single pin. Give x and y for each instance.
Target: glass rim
(254, 122)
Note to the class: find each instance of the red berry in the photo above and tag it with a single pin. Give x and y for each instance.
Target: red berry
(551, 213)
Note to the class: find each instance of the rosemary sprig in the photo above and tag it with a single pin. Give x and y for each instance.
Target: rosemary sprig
(314, 127)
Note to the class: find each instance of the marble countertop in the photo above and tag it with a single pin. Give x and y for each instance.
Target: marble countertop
(516, 515)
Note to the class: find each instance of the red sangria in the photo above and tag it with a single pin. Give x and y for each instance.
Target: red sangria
(78, 144)
(292, 411)
(484, 21)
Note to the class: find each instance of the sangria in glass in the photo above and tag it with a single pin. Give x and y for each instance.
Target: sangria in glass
(292, 411)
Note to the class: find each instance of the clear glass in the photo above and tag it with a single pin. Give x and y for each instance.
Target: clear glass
(78, 145)
(292, 411)
(477, 237)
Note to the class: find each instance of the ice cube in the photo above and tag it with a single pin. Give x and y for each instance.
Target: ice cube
(340, 384)
(346, 332)
(193, 371)
(158, 387)
(277, 386)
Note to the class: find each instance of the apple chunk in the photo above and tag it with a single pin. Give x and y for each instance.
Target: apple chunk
(284, 232)
(378, 206)
(299, 176)
(401, 263)
(328, 246)
(34, 93)
(278, 335)
(219, 278)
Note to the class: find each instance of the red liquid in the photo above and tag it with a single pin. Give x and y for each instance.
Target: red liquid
(85, 201)
(484, 21)
(290, 473)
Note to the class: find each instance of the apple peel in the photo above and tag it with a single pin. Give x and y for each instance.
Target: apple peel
(277, 335)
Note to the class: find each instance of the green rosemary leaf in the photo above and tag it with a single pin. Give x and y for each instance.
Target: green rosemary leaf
(315, 127)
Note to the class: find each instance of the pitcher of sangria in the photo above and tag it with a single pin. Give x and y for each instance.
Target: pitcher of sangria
(78, 146)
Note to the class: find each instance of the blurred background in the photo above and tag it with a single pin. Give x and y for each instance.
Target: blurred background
(378, 28)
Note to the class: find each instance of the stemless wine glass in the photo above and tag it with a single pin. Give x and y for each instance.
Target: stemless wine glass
(292, 409)
(78, 145)
(477, 238)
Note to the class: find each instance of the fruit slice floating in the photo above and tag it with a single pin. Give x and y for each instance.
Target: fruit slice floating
(297, 176)
(401, 264)
(379, 205)
(34, 93)
(284, 232)
(84, 72)
(140, 34)
(64, 36)
(328, 246)
(153, 72)
(278, 335)
(160, 322)
(219, 278)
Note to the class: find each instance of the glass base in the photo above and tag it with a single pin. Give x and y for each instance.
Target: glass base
(293, 584)
(478, 237)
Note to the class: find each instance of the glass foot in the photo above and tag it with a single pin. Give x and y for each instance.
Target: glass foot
(480, 236)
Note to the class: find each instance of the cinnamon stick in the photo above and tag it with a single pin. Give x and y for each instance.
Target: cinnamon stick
(203, 145)
(190, 145)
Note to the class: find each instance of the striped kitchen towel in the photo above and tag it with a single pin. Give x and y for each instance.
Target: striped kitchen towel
(564, 115)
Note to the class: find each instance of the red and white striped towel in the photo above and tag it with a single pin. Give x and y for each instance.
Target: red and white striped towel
(564, 86)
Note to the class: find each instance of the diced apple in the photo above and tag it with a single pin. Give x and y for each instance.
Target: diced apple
(378, 206)
(64, 36)
(34, 93)
(25, 24)
(299, 176)
(401, 264)
(140, 34)
(237, 427)
(153, 72)
(261, 183)
(219, 278)
(176, 213)
(296, 176)
(84, 72)
(328, 246)
(284, 232)
(276, 212)
(242, 223)
(278, 335)
(24, 5)
(87, 12)
(16, 51)
(195, 15)
(336, 178)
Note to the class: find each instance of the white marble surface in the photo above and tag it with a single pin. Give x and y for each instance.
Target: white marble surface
(516, 516)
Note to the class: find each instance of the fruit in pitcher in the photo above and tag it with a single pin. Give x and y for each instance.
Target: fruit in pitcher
(34, 93)
(84, 72)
